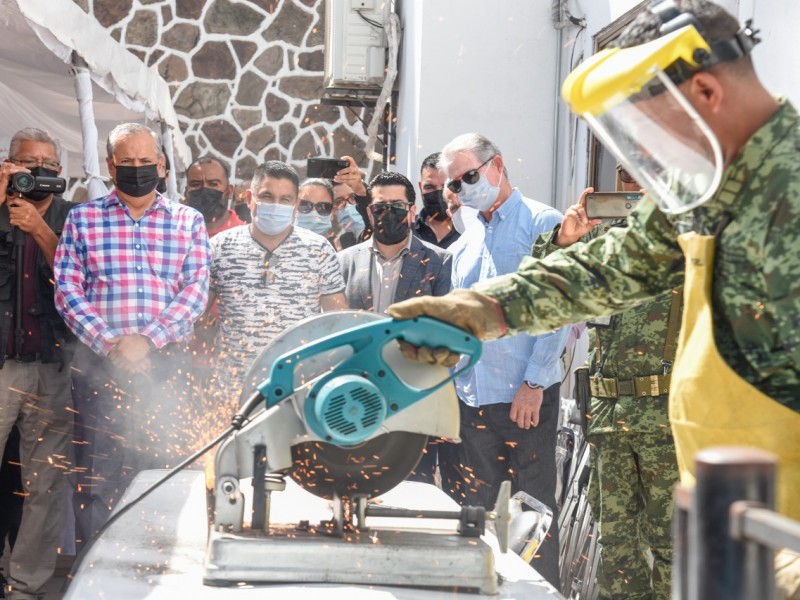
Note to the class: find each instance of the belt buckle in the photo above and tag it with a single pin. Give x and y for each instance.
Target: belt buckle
(655, 390)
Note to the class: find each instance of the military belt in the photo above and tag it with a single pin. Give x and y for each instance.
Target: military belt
(647, 385)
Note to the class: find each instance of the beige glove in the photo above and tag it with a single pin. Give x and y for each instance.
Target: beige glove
(476, 313)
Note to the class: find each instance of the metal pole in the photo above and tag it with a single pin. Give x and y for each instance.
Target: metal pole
(680, 540)
(719, 566)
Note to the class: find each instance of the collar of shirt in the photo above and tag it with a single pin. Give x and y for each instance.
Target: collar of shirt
(161, 202)
(373, 247)
(506, 208)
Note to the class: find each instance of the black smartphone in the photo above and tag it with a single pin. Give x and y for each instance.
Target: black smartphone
(325, 168)
(611, 205)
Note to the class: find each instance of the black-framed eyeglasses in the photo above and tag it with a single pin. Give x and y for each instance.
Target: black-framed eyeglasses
(398, 207)
(30, 163)
(471, 177)
(343, 200)
(323, 208)
(624, 176)
(270, 262)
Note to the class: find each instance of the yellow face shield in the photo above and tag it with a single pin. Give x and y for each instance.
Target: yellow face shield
(632, 105)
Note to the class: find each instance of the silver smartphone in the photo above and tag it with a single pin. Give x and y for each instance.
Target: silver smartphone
(611, 205)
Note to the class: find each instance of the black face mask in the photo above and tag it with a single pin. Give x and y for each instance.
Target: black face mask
(161, 188)
(207, 201)
(136, 181)
(40, 172)
(435, 206)
(391, 228)
(243, 212)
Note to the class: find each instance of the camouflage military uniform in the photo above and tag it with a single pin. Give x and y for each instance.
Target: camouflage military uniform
(633, 456)
(756, 286)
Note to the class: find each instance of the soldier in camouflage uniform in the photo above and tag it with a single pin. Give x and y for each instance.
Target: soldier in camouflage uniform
(753, 214)
(633, 466)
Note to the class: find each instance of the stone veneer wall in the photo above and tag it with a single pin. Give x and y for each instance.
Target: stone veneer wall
(245, 75)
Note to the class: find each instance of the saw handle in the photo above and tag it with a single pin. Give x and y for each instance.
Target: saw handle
(367, 342)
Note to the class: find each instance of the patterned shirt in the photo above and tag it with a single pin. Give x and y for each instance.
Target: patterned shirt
(485, 250)
(755, 293)
(117, 276)
(261, 293)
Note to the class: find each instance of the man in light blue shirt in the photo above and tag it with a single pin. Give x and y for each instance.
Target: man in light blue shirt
(510, 400)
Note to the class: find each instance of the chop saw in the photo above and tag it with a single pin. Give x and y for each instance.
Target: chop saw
(346, 417)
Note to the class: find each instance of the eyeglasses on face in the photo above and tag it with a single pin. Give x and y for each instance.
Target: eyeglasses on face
(30, 163)
(398, 207)
(323, 208)
(341, 201)
(471, 177)
(624, 176)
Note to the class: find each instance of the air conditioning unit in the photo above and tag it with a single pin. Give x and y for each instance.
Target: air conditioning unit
(355, 50)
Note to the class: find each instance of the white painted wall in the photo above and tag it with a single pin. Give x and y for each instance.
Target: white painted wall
(472, 65)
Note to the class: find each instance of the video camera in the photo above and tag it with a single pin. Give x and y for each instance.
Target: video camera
(24, 183)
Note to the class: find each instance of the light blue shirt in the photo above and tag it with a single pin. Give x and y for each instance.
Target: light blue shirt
(489, 249)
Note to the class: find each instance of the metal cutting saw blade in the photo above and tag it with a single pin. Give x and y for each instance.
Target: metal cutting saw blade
(372, 467)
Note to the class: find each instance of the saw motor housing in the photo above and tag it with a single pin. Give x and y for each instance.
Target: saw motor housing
(338, 394)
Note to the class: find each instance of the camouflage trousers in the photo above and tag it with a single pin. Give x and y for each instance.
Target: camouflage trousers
(631, 483)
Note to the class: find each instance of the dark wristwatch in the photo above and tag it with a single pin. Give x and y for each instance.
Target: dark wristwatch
(534, 386)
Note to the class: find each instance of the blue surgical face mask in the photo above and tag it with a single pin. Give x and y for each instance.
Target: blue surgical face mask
(272, 219)
(315, 222)
(481, 195)
(349, 219)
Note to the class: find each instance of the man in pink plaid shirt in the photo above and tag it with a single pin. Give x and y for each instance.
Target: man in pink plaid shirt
(131, 273)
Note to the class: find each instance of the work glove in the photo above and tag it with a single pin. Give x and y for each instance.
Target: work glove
(480, 315)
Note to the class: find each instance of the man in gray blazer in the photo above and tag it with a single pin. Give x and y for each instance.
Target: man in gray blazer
(393, 265)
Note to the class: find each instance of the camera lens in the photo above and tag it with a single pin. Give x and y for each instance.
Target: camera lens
(23, 182)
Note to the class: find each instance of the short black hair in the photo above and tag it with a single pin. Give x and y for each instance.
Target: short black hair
(717, 25)
(277, 170)
(204, 160)
(387, 178)
(430, 162)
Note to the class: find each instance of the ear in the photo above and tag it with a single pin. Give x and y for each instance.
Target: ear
(500, 166)
(251, 202)
(112, 169)
(705, 93)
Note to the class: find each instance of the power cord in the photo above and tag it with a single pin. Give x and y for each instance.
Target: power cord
(237, 422)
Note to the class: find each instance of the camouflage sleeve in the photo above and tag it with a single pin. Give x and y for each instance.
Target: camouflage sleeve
(608, 274)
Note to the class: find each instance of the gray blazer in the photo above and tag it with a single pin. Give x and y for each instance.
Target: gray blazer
(425, 272)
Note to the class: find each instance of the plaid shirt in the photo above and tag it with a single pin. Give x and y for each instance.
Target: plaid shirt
(116, 276)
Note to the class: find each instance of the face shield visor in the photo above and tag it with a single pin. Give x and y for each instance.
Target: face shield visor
(638, 113)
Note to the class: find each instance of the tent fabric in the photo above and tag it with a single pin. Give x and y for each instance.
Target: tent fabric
(38, 89)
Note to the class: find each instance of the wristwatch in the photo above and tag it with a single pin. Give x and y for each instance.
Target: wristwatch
(534, 386)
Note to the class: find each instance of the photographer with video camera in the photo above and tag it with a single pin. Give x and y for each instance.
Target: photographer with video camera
(34, 362)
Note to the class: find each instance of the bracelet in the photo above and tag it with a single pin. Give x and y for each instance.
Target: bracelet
(534, 386)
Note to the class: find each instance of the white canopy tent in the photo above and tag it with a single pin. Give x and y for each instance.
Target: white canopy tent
(42, 40)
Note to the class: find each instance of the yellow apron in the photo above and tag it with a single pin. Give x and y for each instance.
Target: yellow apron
(709, 404)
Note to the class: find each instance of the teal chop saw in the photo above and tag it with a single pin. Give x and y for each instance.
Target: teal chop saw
(346, 417)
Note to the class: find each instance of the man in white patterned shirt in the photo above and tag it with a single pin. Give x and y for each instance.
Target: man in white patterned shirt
(268, 275)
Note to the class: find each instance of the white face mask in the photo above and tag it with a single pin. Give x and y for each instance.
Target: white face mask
(272, 219)
(481, 195)
(463, 218)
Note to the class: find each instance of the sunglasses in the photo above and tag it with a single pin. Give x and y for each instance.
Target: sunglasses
(471, 177)
(344, 200)
(270, 262)
(624, 176)
(323, 208)
(399, 207)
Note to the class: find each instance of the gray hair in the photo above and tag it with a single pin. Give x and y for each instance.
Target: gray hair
(323, 183)
(32, 134)
(126, 129)
(479, 145)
